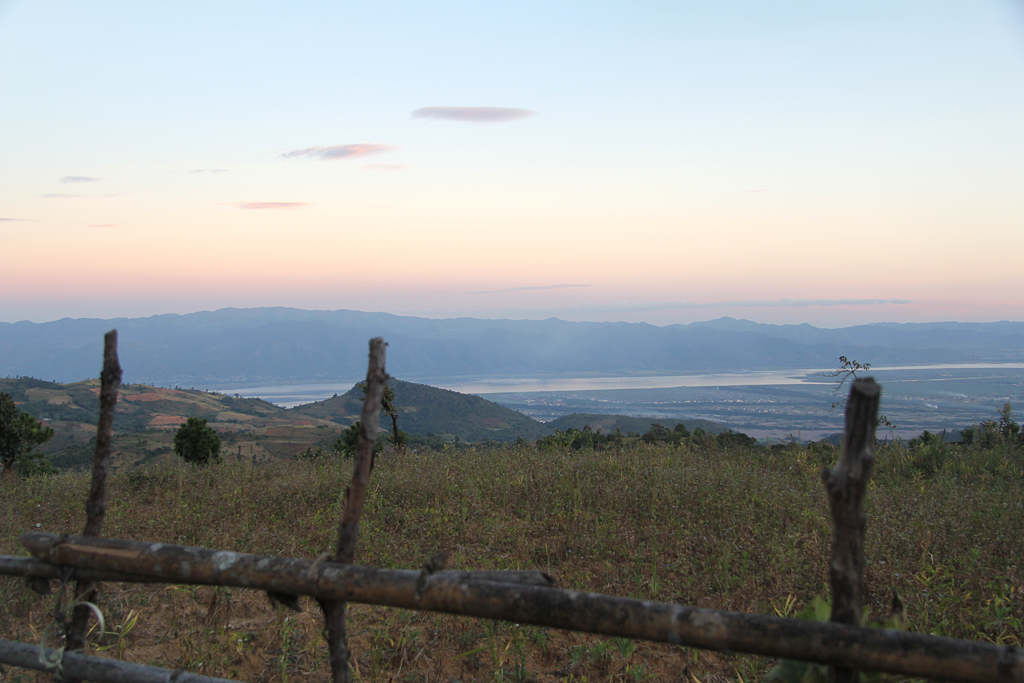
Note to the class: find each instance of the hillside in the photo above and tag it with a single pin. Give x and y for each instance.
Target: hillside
(255, 430)
(428, 410)
(146, 416)
(251, 429)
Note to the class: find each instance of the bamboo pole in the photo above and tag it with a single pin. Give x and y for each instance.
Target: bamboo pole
(82, 667)
(355, 496)
(847, 485)
(844, 645)
(96, 506)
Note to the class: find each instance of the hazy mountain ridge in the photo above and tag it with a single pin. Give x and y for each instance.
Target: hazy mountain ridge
(284, 344)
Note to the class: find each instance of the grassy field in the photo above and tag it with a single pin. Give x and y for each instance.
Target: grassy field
(731, 529)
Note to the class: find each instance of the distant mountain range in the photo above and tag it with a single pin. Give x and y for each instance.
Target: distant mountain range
(293, 345)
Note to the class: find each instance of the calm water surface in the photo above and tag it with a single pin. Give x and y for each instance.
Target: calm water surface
(291, 395)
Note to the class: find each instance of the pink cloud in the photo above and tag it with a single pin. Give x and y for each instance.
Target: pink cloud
(339, 151)
(385, 167)
(272, 205)
(473, 114)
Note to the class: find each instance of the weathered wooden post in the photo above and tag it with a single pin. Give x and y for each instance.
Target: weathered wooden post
(96, 506)
(847, 484)
(355, 495)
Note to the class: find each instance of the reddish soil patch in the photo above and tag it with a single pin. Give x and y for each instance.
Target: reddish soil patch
(165, 420)
(145, 397)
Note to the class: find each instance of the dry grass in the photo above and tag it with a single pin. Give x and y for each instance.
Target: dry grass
(738, 530)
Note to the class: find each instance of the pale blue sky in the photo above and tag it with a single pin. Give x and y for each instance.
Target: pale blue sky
(684, 160)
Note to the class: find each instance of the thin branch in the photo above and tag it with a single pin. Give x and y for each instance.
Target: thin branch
(96, 506)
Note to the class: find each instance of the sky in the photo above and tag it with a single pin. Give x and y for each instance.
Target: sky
(666, 162)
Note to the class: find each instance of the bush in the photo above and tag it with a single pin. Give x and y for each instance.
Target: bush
(346, 445)
(196, 443)
(20, 433)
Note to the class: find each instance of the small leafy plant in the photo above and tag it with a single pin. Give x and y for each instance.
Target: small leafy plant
(818, 609)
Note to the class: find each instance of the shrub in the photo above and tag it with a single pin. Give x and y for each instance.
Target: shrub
(197, 443)
(20, 433)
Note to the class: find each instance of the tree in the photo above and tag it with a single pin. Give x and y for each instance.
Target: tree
(846, 371)
(346, 445)
(387, 406)
(1007, 426)
(196, 443)
(20, 433)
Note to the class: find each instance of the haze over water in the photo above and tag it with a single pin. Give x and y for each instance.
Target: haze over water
(291, 395)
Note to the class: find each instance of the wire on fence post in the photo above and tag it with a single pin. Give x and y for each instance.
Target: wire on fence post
(847, 484)
(96, 506)
(355, 495)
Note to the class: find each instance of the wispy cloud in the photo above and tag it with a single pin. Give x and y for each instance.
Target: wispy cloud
(473, 114)
(753, 303)
(527, 289)
(335, 152)
(385, 167)
(62, 195)
(272, 205)
(17, 220)
(78, 179)
(208, 170)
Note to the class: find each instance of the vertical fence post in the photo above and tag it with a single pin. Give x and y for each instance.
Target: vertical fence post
(355, 495)
(847, 484)
(96, 506)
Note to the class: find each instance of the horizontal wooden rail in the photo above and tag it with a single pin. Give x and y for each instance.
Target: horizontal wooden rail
(78, 666)
(30, 567)
(843, 645)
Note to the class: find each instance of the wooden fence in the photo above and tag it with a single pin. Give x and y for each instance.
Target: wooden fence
(523, 597)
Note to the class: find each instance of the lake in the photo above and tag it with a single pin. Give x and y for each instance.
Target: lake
(291, 395)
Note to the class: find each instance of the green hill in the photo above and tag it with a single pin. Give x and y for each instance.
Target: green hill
(428, 410)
